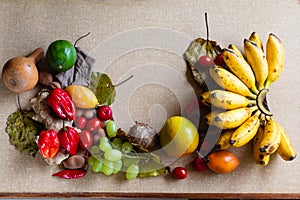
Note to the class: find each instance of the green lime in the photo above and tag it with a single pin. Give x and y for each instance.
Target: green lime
(61, 55)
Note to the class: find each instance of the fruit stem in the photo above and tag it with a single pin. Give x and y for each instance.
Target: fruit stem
(81, 38)
(207, 32)
(19, 104)
(36, 55)
(252, 96)
(64, 125)
(261, 102)
(118, 84)
(267, 84)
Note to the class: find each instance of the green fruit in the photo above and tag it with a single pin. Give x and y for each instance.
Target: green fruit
(111, 128)
(117, 166)
(97, 166)
(61, 55)
(179, 137)
(132, 172)
(112, 155)
(104, 144)
(108, 167)
(127, 147)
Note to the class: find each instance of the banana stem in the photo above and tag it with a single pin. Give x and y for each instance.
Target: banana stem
(254, 108)
(254, 90)
(267, 84)
(252, 96)
(252, 103)
(262, 103)
(268, 118)
(257, 113)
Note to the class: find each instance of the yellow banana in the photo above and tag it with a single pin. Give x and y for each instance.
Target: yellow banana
(246, 132)
(271, 139)
(229, 82)
(256, 39)
(226, 100)
(285, 149)
(230, 119)
(260, 158)
(205, 98)
(236, 50)
(258, 62)
(275, 58)
(208, 117)
(240, 68)
(224, 139)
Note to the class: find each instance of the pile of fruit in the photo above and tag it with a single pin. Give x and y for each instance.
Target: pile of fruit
(71, 125)
(235, 87)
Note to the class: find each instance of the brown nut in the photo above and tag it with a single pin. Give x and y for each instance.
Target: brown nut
(74, 162)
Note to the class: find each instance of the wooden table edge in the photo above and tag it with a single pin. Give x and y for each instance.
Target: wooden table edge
(192, 196)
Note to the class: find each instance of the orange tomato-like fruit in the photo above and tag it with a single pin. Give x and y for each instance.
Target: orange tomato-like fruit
(222, 161)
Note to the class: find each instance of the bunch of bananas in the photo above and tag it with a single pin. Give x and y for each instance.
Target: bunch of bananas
(242, 112)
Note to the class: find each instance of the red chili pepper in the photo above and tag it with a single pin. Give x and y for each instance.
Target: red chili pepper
(48, 143)
(69, 139)
(70, 173)
(62, 104)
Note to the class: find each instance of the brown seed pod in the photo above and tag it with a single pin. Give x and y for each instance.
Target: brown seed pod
(143, 135)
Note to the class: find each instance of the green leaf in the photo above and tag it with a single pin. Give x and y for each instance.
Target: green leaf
(103, 88)
(22, 131)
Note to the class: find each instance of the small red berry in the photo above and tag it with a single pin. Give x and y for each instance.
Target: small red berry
(104, 113)
(219, 60)
(179, 172)
(206, 62)
(80, 122)
(86, 139)
(199, 164)
(93, 125)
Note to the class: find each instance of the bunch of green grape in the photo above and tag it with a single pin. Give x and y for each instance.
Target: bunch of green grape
(111, 156)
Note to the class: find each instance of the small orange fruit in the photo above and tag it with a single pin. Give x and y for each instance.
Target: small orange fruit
(222, 161)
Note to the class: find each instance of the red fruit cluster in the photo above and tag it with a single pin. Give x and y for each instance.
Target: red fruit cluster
(91, 124)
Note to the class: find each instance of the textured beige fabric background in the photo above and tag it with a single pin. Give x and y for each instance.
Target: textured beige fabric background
(147, 39)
